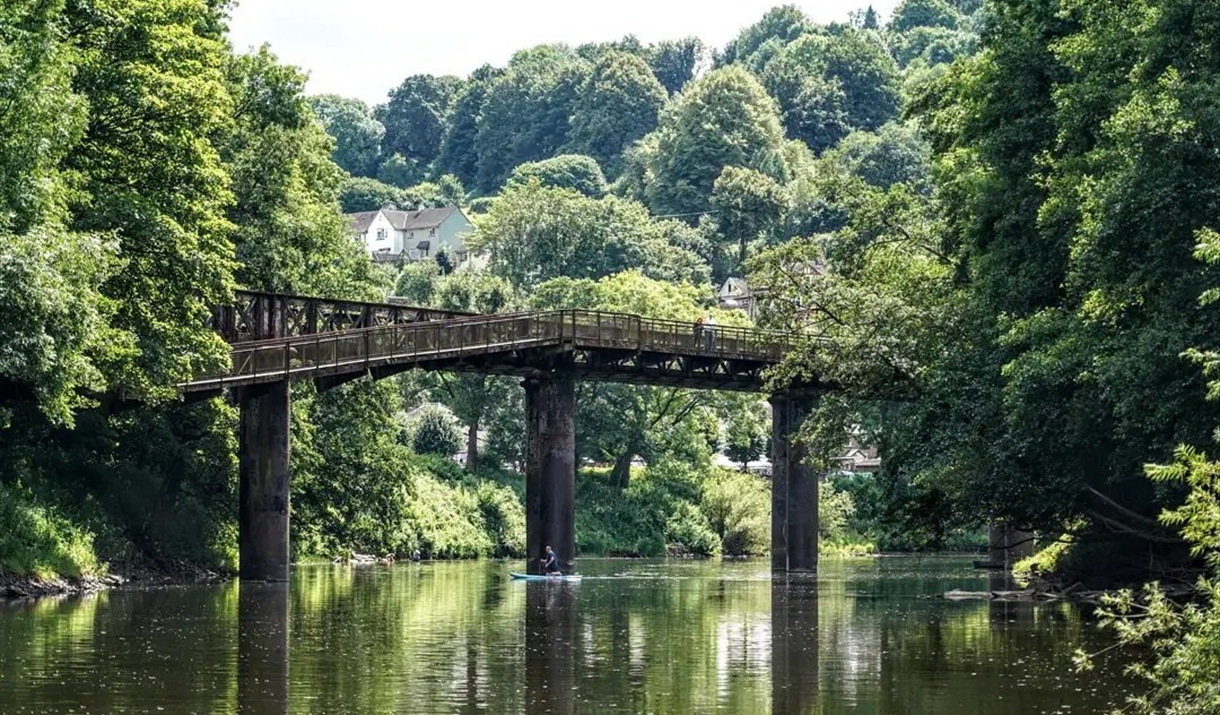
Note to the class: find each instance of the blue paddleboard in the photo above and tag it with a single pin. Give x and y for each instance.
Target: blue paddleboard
(543, 577)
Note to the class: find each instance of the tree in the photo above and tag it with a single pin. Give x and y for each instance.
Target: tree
(827, 85)
(1179, 637)
(400, 171)
(54, 320)
(724, 118)
(894, 154)
(526, 115)
(535, 233)
(153, 180)
(674, 62)
(870, 21)
(414, 116)
(290, 236)
(361, 194)
(593, 52)
(747, 436)
(618, 104)
(749, 206)
(566, 171)
(923, 13)
(930, 46)
(459, 153)
(435, 433)
(779, 25)
(356, 133)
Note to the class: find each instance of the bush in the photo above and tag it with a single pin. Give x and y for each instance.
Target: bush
(655, 515)
(737, 505)
(503, 518)
(37, 539)
(436, 432)
(566, 171)
(687, 531)
(447, 520)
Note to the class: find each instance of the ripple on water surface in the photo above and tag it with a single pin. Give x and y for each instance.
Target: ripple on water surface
(632, 637)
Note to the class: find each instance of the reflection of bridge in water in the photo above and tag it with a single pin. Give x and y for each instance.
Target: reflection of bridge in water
(278, 339)
(558, 666)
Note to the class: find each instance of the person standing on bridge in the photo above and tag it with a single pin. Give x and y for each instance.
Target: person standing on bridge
(550, 562)
(698, 331)
(709, 329)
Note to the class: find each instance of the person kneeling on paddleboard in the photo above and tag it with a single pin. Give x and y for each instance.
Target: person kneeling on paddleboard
(550, 562)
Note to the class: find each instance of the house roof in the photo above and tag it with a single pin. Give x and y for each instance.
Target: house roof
(402, 220)
(360, 222)
(734, 287)
(411, 220)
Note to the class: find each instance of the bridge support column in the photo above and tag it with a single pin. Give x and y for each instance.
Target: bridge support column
(263, 471)
(1008, 545)
(550, 471)
(794, 488)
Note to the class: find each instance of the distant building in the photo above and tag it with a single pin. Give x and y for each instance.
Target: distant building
(735, 294)
(402, 236)
(738, 294)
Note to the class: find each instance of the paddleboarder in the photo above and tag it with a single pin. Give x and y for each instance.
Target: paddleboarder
(550, 563)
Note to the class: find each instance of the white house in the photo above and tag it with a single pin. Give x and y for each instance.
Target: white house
(391, 235)
(735, 295)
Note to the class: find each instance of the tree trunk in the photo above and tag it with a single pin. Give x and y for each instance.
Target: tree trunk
(620, 476)
(472, 446)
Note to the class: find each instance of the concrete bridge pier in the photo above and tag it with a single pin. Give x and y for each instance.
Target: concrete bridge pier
(550, 470)
(1008, 545)
(794, 488)
(264, 474)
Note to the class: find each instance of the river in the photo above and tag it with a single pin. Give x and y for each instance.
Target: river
(633, 637)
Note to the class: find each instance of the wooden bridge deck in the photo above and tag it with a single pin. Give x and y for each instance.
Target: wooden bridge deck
(589, 344)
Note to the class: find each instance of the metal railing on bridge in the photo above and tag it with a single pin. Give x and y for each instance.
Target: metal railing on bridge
(319, 354)
(254, 316)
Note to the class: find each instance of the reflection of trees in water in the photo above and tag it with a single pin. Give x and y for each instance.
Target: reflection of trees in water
(687, 637)
(120, 651)
(390, 639)
(696, 644)
(887, 646)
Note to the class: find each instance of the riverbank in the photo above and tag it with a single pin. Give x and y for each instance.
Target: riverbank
(18, 587)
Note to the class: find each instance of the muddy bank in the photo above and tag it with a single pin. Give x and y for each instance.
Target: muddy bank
(23, 587)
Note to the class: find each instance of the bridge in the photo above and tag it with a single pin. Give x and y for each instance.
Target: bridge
(279, 339)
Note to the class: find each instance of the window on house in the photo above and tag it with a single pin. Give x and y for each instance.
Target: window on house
(381, 234)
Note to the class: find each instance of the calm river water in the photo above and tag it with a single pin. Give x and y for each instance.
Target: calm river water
(633, 637)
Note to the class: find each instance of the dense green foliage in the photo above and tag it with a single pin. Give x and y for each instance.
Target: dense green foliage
(566, 171)
(358, 136)
(617, 105)
(435, 432)
(534, 233)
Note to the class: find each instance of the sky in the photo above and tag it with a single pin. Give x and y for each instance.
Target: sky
(364, 48)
